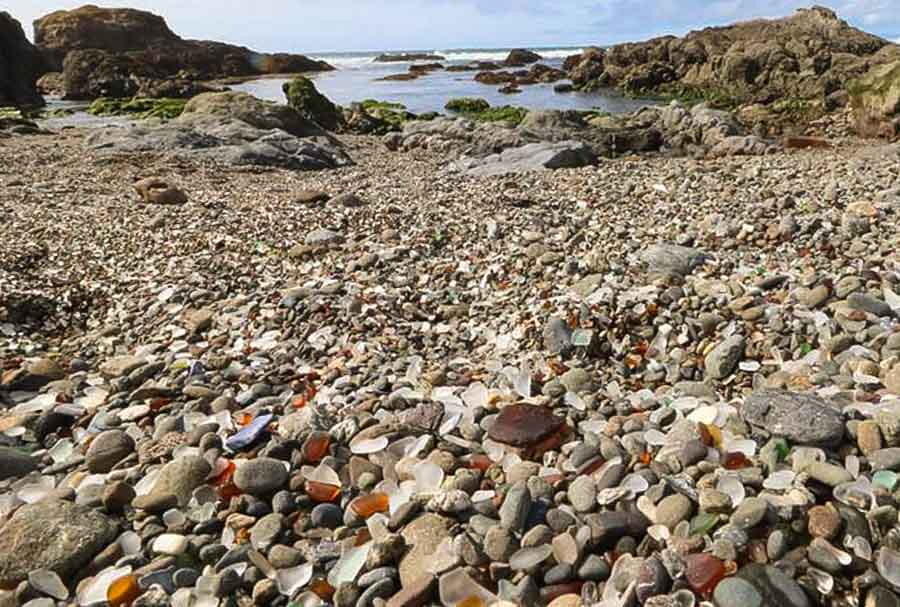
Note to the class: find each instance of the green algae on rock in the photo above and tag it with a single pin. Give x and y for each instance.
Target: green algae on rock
(303, 96)
(137, 107)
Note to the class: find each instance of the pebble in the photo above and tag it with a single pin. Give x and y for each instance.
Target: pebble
(261, 476)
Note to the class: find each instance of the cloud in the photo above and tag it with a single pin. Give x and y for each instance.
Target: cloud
(323, 25)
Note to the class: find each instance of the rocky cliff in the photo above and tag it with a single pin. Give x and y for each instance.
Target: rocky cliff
(20, 65)
(116, 52)
(812, 56)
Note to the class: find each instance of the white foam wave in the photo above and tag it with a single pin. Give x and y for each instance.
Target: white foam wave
(364, 60)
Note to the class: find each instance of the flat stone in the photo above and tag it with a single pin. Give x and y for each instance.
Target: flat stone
(51, 534)
(804, 419)
(524, 425)
(423, 535)
(724, 358)
(418, 593)
(885, 459)
(583, 494)
(672, 259)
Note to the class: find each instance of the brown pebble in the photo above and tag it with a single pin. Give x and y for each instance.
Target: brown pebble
(868, 437)
(824, 521)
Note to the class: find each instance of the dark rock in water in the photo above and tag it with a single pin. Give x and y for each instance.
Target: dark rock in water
(524, 425)
(51, 534)
(406, 57)
(247, 435)
(804, 419)
(774, 585)
(519, 57)
(110, 52)
(303, 96)
(20, 65)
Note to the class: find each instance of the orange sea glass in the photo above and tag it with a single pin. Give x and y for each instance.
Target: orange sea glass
(123, 591)
(367, 505)
(472, 601)
(322, 589)
(322, 492)
(316, 447)
(703, 572)
(480, 462)
(736, 461)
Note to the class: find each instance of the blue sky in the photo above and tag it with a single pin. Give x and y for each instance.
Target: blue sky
(343, 25)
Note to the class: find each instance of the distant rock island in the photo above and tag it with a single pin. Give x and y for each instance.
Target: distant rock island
(103, 52)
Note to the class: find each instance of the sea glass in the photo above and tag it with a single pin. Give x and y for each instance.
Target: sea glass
(123, 591)
(367, 505)
(703, 572)
(316, 446)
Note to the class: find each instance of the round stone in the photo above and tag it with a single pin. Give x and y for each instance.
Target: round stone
(327, 515)
(673, 509)
(735, 592)
(262, 476)
(108, 449)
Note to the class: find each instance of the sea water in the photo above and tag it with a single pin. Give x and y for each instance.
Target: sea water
(358, 76)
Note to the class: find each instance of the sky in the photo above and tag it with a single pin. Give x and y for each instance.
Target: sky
(348, 25)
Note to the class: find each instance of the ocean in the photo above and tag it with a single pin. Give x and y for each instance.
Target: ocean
(357, 77)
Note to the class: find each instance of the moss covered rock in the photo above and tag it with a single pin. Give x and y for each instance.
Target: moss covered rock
(303, 96)
(138, 107)
(467, 105)
(875, 99)
(479, 109)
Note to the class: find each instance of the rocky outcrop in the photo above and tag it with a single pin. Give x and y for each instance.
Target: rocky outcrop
(114, 52)
(672, 129)
(534, 75)
(303, 96)
(811, 56)
(234, 129)
(876, 101)
(20, 65)
(529, 157)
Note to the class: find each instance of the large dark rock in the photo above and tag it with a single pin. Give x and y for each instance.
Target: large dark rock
(113, 52)
(51, 534)
(20, 65)
(807, 56)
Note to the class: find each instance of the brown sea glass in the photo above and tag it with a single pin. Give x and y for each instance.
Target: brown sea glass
(123, 591)
(316, 447)
(703, 572)
(367, 505)
(736, 461)
(472, 601)
(322, 589)
(322, 492)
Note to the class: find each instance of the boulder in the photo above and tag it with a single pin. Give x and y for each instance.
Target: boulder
(810, 55)
(250, 110)
(51, 534)
(875, 99)
(530, 157)
(302, 95)
(519, 57)
(232, 129)
(20, 66)
(117, 48)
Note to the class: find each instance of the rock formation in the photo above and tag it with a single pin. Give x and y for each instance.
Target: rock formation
(810, 57)
(20, 65)
(116, 52)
